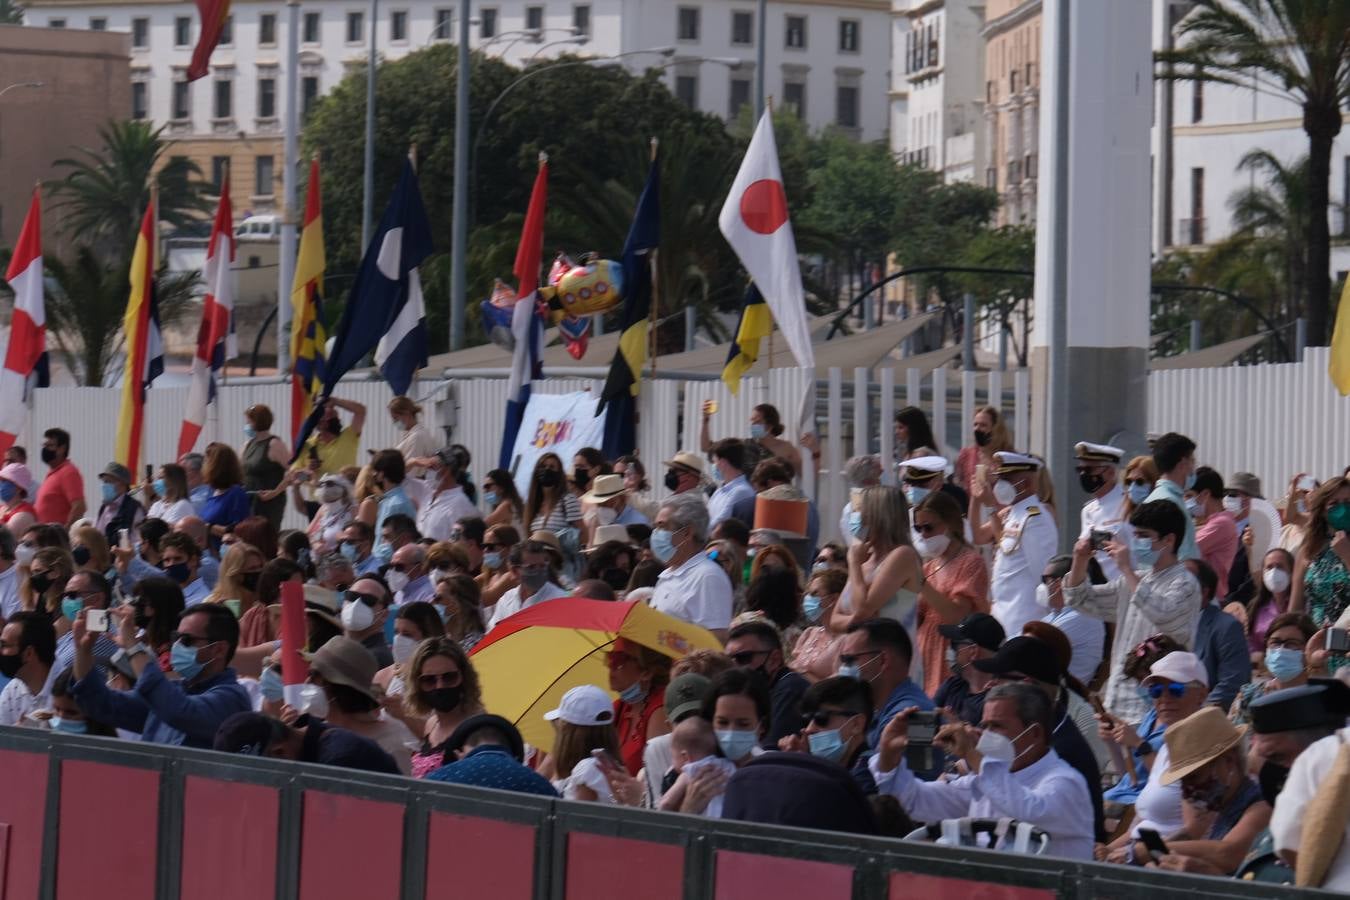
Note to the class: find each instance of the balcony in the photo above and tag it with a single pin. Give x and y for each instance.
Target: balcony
(1191, 232)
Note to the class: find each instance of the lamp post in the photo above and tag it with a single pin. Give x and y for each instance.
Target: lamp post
(459, 222)
(574, 39)
(368, 186)
(762, 27)
(290, 155)
(21, 84)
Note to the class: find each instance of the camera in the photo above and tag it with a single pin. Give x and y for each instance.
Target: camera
(1338, 640)
(1099, 538)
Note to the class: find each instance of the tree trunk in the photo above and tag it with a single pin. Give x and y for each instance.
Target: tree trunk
(1322, 125)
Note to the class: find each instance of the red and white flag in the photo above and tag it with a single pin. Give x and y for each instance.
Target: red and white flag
(214, 332)
(755, 222)
(28, 327)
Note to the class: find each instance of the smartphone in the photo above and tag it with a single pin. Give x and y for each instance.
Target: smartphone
(301, 477)
(1338, 640)
(1097, 706)
(96, 621)
(1307, 483)
(710, 407)
(981, 473)
(1157, 847)
(922, 728)
(1099, 538)
(124, 539)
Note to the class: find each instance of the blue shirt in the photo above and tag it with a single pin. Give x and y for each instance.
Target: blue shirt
(491, 766)
(905, 695)
(163, 711)
(228, 508)
(630, 516)
(1221, 645)
(1151, 733)
(198, 497)
(394, 502)
(732, 500)
(1170, 490)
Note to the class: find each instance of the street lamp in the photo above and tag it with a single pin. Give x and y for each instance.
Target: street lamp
(534, 33)
(21, 84)
(368, 180)
(574, 39)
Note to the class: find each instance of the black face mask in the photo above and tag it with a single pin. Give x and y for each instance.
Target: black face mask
(249, 580)
(10, 665)
(549, 478)
(672, 480)
(982, 438)
(80, 555)
(582, 477)
(1271, 778)
(48, 455)
(1091, 482)
(615, 577)
(333, 426)
(444, 699)
(140, 616)
(40, 583)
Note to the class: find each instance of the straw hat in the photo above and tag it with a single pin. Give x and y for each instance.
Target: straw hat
(1197, 740)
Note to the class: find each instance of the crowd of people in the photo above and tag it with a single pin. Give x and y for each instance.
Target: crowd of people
(1165, 695)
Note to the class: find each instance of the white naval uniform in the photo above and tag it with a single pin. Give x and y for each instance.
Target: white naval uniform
(1107, 513)
(1030, 538)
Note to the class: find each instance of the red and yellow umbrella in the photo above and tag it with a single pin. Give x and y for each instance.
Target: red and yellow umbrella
(531, 659)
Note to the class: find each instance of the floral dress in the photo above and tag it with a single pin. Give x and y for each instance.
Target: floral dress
(1326, 591)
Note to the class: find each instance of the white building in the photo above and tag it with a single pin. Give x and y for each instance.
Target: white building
(937, 86)
(828, 59)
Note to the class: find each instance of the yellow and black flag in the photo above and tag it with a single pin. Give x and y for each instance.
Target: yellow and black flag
(621, 385)
(755, 325)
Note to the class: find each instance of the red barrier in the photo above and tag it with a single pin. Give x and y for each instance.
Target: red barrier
(368, 833)
(469, 856)
(23, 809)
(750, 876)
(907, 884)
(229, 839)
(108, 831)
(610, 868)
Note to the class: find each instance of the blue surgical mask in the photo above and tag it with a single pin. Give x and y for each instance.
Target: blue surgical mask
(1193, 508)
(385, 553)
(856, 526)
(69, 726)
(492, 560)
(109, 492)
(271, 686)
(847, 671)
(1190, 483)
(1285, 665)
(811, 607)
(250, 432)
(736, 745)
(160, 487)
(633, 694)
(71, 608)
(1138, 493)
(490, 498)
(758, 430)
(348, 551)
(1141, 548)
(826, 744)
(663, 545)
(8, 491)
(184, 661)
(914, 494)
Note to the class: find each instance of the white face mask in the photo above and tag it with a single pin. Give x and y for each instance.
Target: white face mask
(331, 493)
(356, 616)
(1276, 580)
(932, 547)
(1005, 492)
(24, 553)
(993, 745)
(313, 700)
(403, 648)
(1232, 505)
(397, 580)
(1043, 594)
(605, 515)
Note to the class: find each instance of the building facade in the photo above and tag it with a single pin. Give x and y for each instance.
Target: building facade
(937, 71)
(82, 76)
(828, 59)
(1012, 34)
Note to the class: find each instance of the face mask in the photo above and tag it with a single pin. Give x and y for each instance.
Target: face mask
(11, 664)
(982, 438)
(437, 576)
(1190, 483)
(1275, 580)
(952, 662)
(271, 686)
(356, 616)
(663, 545)
(333, 426)
(605, 515)
(847, 671)
(914, 493)
(159, 487)
(313, 701)
(615, 577)
(993, 745)
(1091, 482)
(69, 726)
(48, 455)
(1193, 508)
(403, 648)
(8, 491)
(249, 580)
(1285, 665)
(40, 583)
(1232, 505)
(399, 426)
(492, 560)
(826, 744)
(71, 606)
(490, 498)
(811, 607)
(672, 480)
(820, 567)
(534, 577)
(184, 661)
(1272, 778)
(1141, 548)
(140, 616)
(932, 547)
(1043, 594)
(445, 612)
(178, 572)
(1338, 517)
(737, 745)
(348, 551)
(24, 553)
(80, 554)
(385, 553)
(856, 526)
(633, 694)
(331, 493)
(444, 699)
(1005, 492)
(250, 432)
(1138, 493)
(109, 492)
(582, 477)
(548, 478)
(397, 580)
(758, 431)
(1208, 796)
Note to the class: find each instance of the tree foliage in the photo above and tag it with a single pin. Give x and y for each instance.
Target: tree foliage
(11, 13)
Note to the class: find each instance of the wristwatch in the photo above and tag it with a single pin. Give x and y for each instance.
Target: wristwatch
(129, 653)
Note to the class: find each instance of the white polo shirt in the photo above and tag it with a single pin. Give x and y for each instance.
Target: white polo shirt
(697, 591)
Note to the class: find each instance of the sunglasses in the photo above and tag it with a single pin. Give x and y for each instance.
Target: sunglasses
(746, 657)
(925, 530)
(822, 719)
(853, 659)
(190, 640)
(447, 679)
(1139, 481)
(357, 597)
(1173, 688)
(1050, 579)
(615, 660)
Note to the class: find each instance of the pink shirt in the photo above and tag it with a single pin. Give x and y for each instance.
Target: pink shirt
(58, 493)
(1218, 543)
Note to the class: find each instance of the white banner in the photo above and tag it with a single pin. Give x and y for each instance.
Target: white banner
(555, 423)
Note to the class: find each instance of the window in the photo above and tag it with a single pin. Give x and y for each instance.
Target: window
(1195, 228)
(309, 93)
(534, 19)
(267, 98)
(686, 90)
(267, 29)
(56, 23)
(140, 33)
(311, 28)
(139, 100)
(794, 98)
(1197, 97)
(356, 27)
(98, 24)
(487, 26)
(263, 179)
(182, 31)
(846, 106)
(933, 35)
(581, 19)
(796, 32)
(687, 23)
(742, 28)
(182, 100)
(227, 32)
(739, 96)
(848, 35)
(441, 30)
(398, 25)
(224, 99)
(220, 170)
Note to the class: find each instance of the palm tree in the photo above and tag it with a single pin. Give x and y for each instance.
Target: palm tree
(11, 13)
(101, 200)
(1270, 220)
(1298, 50)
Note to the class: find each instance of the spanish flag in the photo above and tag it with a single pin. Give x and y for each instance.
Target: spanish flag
(144, 345)
(215, 13)
(755, 325)
(307, 333)
(1340, 344)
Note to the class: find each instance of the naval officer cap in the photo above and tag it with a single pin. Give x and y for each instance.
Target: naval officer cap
(923, 467)
(1322, 702)
(1010, 463)
(1098, 453)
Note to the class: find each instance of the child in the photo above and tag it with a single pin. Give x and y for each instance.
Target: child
(584, 723)
(694, 748)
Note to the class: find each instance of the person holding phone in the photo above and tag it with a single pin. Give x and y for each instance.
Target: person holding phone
(1321, 583)
(583, 724)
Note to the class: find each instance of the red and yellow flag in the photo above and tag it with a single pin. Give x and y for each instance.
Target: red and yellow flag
(215, 13)
(144, 345)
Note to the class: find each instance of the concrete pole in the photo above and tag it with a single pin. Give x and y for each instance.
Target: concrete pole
(1195, 335)
(690, 326)
(1300, 337)
(761, 37)
(368, 187)
(459, 229)
(968, 332)
(290, 170)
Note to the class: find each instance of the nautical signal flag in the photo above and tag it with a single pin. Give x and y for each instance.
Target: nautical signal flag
(27, 348)
(625, 372)
(215, 14)
(1339, 368)
(214, 331)
(307, 332)
(755, 324)
(755, 222)
(527, 323)
(143, 342)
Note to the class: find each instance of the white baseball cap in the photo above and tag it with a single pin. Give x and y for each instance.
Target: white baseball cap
(584, 705)
(1181, 667)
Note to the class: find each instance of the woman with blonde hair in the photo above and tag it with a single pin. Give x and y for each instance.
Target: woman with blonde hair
(1321, 582)
(171, 491)
(442, 686)
(1140, 476)
(990, 432)
(89, 550)
(48, 573)
(239, 574)
(367, 494)
(583, 723)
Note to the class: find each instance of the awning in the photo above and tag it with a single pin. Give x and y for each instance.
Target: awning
(924, 362)
(1210, 357)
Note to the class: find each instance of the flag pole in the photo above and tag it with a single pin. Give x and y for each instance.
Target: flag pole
(653, 319)
(768, 108)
